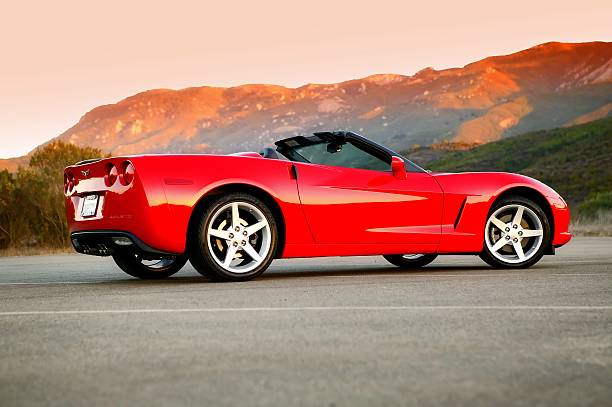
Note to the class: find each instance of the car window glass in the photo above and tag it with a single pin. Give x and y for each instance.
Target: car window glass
(342, 155)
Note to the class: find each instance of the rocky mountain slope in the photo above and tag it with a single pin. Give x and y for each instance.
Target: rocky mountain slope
(547, 86)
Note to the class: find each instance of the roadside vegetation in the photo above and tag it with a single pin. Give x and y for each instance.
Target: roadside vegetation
(576, 161)
(32, 214)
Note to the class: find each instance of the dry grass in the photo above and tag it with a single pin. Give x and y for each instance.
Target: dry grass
(599, 225)
(34, 251)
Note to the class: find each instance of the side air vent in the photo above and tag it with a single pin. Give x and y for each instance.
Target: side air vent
(460, 212)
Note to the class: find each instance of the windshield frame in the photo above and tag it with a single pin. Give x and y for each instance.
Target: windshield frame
(286, 147)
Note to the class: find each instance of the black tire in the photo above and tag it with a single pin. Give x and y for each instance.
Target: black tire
(410, 263)
(134, 265)
(199, 246)
(492, 260)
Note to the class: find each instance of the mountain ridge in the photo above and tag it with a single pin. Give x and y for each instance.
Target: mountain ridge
(546, 86)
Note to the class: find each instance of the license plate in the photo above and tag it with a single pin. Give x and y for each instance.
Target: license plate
(90, 206)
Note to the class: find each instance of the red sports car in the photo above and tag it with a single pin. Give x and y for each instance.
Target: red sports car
(330, 194)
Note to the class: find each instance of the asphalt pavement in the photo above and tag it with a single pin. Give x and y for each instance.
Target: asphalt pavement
(75, 330)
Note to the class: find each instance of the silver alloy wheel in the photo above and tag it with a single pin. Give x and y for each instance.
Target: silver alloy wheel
(156, 264)
(239, 237)
(412, 256)
(514, 233)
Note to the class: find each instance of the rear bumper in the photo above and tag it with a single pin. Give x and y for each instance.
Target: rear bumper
(139, 208)
(108, 242)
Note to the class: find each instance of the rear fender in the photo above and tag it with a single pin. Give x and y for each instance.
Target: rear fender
(188, 181)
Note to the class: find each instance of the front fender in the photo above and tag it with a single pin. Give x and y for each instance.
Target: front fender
(468, 198)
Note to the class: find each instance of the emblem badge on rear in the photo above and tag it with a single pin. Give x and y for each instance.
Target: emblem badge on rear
(85, 173)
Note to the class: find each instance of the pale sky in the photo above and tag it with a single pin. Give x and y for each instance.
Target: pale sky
(59, 59)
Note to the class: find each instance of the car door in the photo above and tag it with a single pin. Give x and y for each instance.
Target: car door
(366, 205)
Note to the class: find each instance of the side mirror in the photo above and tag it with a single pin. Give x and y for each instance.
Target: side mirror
(398, 167)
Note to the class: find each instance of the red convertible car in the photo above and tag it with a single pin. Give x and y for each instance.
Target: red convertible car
(330, 194)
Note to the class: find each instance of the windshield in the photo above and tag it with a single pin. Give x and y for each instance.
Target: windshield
(342, 150)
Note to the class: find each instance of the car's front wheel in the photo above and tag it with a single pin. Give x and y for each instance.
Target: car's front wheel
(234, 239)
(147, 268)
(409, 261)
(517, 233)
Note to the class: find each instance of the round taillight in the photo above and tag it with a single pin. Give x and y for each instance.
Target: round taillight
(111, 175)
(127, 173)
(69, 182)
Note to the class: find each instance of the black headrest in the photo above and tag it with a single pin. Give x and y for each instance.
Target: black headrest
(269, 153)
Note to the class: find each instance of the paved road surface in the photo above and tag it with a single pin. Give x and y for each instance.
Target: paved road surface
(74, 330)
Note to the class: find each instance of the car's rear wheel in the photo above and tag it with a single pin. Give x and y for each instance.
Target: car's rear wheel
(409, 261)
(517, 233)
(149, 268)
(235, 238)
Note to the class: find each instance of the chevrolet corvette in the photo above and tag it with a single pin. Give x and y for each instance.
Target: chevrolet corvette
(329, 194)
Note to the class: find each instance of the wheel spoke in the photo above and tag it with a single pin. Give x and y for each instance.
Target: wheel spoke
(252, 252)
(501, 225)
(235, 215)
(229, 256)
(221, 234)
(532, 232)
(499, 244)
(254, 228)
(518, 216)
(519, 250)
(412, 256)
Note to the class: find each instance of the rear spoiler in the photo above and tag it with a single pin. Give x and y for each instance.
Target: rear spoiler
(89, 161)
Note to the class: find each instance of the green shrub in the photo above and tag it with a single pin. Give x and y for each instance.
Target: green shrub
(596, 203)
(32, 210)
